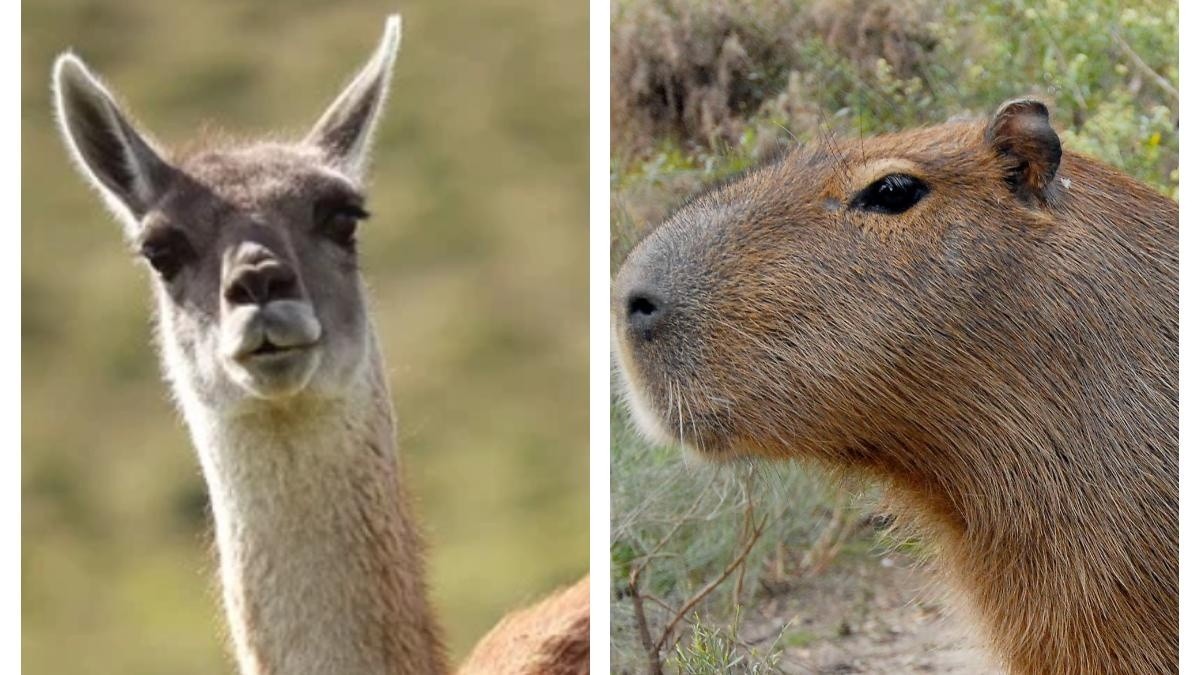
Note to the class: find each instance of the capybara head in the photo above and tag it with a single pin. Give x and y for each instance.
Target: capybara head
(826, 300)
(983, 321)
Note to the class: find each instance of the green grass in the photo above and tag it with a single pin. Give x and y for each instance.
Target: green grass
(480, 208)
(714, 650)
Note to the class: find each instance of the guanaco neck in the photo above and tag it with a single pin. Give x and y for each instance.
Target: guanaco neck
(321, 560)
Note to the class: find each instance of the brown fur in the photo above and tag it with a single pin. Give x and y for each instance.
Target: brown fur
(550, 638)
(1003, 356)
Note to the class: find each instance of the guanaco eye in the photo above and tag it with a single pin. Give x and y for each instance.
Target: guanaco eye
(892, 194)
(338, 220)
(167, 250)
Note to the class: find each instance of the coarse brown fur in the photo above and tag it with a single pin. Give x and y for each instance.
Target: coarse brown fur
(1003, 356)
(549, 638)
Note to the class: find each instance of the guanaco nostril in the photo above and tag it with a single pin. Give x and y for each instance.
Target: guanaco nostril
(239, 293)
(282, 286)
(261, 284)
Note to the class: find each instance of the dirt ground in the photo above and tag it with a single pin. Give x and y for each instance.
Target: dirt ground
(868, 614)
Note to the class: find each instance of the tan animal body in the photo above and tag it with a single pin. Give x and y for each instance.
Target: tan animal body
(266, 339)
(982, 322)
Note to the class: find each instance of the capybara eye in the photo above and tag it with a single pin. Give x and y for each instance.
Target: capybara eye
(892, 194)
(167, 250)
(338, 220)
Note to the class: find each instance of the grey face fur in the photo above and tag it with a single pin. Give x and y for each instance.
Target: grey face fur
(252, 247)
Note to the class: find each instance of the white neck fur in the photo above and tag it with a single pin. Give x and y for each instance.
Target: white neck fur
(320, 559)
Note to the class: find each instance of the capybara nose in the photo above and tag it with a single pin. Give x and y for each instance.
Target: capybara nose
(262, 282)
(644, 311)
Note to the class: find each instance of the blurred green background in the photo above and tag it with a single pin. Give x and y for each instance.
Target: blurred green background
(476, 256)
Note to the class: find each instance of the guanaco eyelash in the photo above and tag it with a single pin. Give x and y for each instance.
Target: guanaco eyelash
(328, 209)
(353, 210)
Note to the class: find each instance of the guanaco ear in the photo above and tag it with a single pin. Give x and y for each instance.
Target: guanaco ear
(109, 151)
(343, 134)
(1021, 132)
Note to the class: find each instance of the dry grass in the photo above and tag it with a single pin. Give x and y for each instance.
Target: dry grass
(695, 72)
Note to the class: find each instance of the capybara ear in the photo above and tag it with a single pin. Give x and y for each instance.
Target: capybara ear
(1021, 132)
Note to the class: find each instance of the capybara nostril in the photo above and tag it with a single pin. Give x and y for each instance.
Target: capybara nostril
(644, 311)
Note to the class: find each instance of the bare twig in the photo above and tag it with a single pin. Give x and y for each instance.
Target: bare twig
(712, 585)
(659, 601)
(1141, 66)
(687, 515)
(653, 662)
(652, 648)
(751, 532)
(747, 523)
(833, 536)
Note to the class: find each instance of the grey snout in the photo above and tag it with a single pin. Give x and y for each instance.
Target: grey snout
(279, 325)
(641, 302)
(644, 312)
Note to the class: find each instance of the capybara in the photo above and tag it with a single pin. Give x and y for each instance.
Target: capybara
(983, 322)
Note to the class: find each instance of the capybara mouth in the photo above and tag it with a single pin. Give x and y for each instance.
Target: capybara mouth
(668, 417)
(269, 348)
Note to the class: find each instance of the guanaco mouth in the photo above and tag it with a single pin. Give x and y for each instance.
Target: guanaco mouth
(268, 348)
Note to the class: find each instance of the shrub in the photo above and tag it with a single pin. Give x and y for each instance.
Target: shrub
(733, 78)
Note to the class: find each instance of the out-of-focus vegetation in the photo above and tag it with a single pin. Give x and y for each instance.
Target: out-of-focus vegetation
(703, 90)
(711, 86)
(476, 256)
(679, 529)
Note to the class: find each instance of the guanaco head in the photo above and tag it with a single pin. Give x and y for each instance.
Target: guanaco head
(252, 247)
(797, 308)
